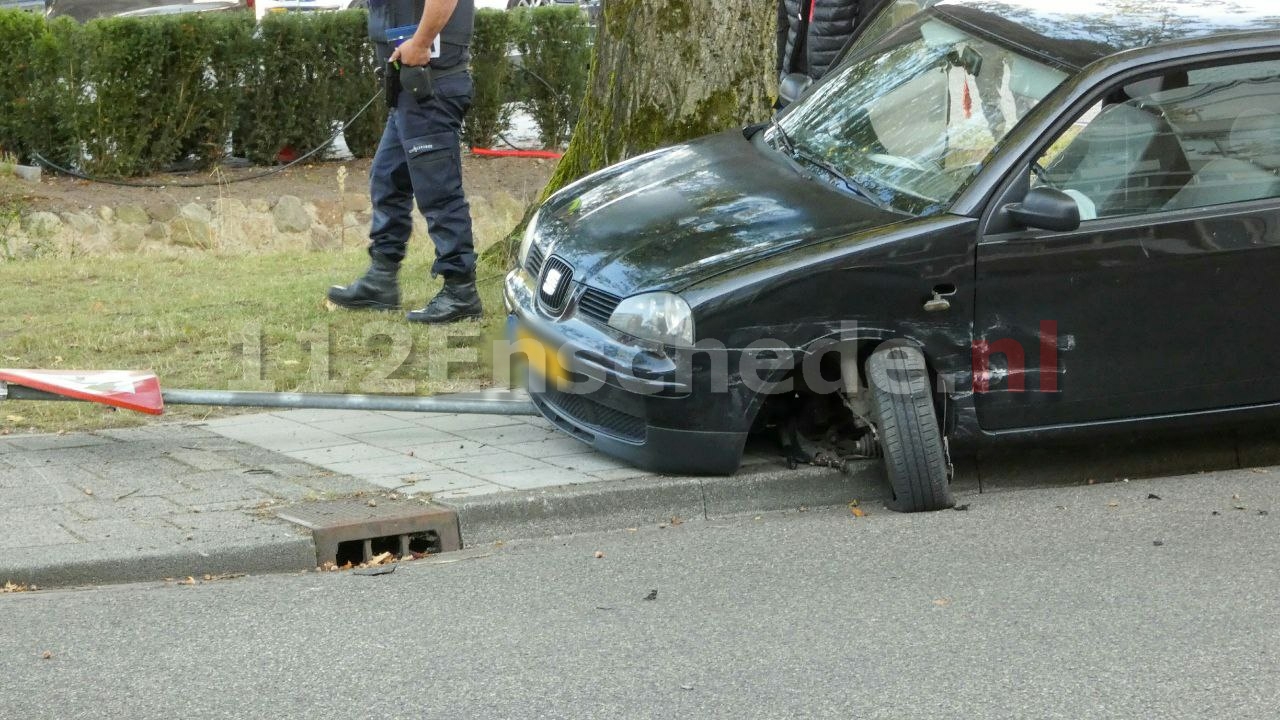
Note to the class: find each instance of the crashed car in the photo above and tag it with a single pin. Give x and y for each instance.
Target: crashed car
(1000, 220)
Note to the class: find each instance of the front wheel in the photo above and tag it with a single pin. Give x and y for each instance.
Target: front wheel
(914, 454)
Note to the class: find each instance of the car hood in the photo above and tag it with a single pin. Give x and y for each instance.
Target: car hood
(666, 220)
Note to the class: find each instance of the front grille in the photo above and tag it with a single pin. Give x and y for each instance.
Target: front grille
(598, 304)
(533, 264)
(555, 284)
(596, 416)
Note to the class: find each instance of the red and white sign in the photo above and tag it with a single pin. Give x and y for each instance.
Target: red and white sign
(126, 389)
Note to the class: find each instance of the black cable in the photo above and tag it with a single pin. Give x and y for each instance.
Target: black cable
(256, 176)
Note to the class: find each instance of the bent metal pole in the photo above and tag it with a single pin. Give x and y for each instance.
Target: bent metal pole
(499, 403)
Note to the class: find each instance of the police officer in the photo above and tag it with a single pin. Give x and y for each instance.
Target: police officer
(419, 158)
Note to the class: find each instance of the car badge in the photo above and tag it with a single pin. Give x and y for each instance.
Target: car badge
(552, 281)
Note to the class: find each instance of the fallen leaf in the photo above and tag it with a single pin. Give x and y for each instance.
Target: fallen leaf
(961, 508)
(1153, 496)
(1158, 543)
(1260, 471)
(942, 602)
(1091, 481)
(857, 511)
(653, 595)
(599, 554)
(14, 418)
(1262, 512)
(372, 503)
(46, 655)
(1113, 503)
(88, 491)
(633, 529)
(189, 581)
(12, 587)
(380, 558)
(686, 687)
(1215, 512)
(676, 521)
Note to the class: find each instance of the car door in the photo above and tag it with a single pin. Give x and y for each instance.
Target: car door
(1162, 301)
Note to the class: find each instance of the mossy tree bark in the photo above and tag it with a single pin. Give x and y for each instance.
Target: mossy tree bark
(664, 71)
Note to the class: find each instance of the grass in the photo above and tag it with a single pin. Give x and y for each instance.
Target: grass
(254, 322)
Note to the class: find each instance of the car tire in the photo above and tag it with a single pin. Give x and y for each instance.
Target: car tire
(915, 455)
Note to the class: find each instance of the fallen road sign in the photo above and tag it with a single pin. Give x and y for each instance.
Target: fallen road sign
(128, 389)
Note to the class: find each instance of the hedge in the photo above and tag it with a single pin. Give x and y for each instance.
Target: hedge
(555, 51)
(129, 96)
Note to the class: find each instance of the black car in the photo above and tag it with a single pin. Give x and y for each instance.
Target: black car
(1003, 219)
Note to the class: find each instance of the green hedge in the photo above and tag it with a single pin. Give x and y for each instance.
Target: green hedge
(490, 114)
(555, 51)
(129, 96)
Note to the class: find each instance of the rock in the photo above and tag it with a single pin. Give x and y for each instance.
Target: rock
(80, 223)
(259, 205)
(291, 215)
(30, 173)
(132, 215)
(129, 238)
(356, 202)
(157, 231)
(41, 224)
(164, 213)
(191, 232)
(231, 208)
(106, 213)
(195, 211)
(322, 239)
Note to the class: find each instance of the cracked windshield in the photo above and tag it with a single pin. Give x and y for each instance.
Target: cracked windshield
(909, 124)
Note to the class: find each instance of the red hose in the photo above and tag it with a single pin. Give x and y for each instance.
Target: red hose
(539, 154)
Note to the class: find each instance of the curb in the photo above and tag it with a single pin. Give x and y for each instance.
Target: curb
(618, 504)
(260, 556)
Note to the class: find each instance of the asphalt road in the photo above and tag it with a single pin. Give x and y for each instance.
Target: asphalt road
(1052, 603)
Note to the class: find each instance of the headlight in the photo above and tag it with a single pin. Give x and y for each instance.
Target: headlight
(662, 316)
(530, 232)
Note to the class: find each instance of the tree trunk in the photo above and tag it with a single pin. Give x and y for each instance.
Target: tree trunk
(664, 71)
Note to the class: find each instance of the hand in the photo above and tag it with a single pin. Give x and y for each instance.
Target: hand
(412, 52)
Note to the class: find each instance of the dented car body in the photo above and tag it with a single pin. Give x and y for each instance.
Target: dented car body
(1072, 215)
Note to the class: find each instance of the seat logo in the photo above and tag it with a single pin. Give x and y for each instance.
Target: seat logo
(551, 282)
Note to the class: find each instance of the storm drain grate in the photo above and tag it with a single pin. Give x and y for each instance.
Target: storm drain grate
(355, 531)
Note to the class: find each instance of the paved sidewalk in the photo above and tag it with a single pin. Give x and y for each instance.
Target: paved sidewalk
(169, 500)
(447, 456)
(189, 499)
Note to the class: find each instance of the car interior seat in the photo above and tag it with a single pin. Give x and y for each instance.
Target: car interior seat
(1248, 169)
(1127, 160)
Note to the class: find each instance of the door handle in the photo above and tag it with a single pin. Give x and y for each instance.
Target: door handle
(939, 301)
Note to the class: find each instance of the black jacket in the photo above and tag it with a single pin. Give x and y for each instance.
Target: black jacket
(811, 33)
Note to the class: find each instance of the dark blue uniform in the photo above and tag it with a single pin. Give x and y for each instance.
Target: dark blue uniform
(419, 157)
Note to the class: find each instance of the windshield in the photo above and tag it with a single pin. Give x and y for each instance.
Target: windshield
(910, 123)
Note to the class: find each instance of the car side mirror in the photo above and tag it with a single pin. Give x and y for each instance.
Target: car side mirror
(791, 87)
(1046, 209)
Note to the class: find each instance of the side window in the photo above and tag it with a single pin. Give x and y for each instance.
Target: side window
(1185, 139)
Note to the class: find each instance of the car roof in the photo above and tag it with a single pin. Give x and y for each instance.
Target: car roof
(1078, 32)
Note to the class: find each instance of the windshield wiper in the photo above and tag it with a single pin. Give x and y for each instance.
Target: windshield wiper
(854, 186)
(787, 145)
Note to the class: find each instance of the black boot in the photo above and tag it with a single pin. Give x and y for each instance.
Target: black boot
(457, 300)
(377, 289)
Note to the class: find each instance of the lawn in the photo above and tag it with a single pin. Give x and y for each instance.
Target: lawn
(255, 322)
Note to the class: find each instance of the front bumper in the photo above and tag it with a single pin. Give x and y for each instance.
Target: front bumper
(639, 406)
